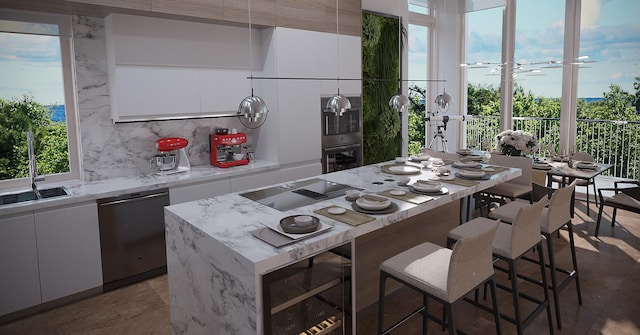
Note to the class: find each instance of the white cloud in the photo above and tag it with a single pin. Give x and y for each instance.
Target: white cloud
(591, 11)
(616, 75)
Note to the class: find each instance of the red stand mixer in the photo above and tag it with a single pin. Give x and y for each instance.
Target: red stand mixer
(227, 150)
(172, 157)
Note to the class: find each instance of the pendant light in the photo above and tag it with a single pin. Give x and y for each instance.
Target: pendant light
(399, 102)
(252, 107)
(338, 103)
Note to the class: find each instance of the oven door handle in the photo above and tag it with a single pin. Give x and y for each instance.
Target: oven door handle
(344, 147)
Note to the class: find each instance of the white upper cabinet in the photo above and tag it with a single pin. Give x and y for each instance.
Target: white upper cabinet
(164, 69)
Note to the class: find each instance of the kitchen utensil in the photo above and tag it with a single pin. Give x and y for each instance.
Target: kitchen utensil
(172, 158)
(171, 143)
(163, 162)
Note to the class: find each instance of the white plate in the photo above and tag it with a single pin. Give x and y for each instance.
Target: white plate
(363, 203)
(465, 164)
(427, 187)
(464, 152)
(397, 192)
(404, 169)
(488, 169)
(471, 174)
(336, 210)
(447, 177)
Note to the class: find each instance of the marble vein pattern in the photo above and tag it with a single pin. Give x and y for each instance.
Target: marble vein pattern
(224, 224)
(115, 150)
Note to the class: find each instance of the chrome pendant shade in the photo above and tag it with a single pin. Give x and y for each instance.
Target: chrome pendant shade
(338, 104)
(253, 107)
(443, 101)
(399, 102)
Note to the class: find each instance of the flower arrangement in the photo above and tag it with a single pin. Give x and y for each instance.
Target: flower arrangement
(516, 142)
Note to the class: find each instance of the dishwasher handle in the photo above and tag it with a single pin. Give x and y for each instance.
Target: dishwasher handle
(132, 199)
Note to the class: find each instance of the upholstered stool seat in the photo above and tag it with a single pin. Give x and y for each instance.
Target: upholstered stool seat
(442, 274)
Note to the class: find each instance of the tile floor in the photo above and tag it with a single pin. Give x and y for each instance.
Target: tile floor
(609, 273)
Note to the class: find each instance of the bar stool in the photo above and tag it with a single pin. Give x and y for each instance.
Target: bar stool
(511, 243)
(556, 216)
(442, 274)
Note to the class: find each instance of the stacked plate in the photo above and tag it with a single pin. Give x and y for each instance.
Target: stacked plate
(427, 186)
(464, 152)
(471, 174)
(373, 203)
(467, 164)
(586, 165)
(420, 157)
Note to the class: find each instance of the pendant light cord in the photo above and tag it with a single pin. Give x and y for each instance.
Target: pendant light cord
(338, 42)
(250, 47)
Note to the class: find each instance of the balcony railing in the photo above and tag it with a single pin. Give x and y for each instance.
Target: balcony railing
(608, 141)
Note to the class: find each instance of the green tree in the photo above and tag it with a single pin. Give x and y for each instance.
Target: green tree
(18, 116)
(417, 98)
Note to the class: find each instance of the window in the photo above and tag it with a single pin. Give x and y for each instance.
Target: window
(36, 62)
(484, 47)
(418, 55)
(539, 39)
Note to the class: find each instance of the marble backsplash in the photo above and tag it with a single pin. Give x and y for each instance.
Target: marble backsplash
(124, 149)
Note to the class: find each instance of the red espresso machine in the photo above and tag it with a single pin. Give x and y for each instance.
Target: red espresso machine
(228, 150)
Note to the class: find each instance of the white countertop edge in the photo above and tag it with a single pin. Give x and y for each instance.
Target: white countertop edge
(113, 187)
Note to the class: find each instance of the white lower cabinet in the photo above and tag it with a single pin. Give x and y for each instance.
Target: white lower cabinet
(180, 194)
(68, 241)
(19, 278)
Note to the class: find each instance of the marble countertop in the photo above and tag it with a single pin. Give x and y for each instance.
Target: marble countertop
(105, 188)
(227, 220)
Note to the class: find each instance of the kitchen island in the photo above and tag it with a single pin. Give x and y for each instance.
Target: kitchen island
(216, 266)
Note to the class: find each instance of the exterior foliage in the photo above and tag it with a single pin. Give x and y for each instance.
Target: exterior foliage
(18, 116)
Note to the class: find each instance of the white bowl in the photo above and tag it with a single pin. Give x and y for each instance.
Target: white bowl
(401, 160)
(404, 181)
(352, 194)
(427, 186)
(365, 202)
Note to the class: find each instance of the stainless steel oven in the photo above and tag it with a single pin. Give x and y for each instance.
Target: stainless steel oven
(341, 136)
(341, 157)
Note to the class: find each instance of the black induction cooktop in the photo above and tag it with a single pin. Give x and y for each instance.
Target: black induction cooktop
(297, 194)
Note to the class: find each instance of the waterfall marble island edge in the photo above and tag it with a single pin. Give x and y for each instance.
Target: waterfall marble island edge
(215, 266)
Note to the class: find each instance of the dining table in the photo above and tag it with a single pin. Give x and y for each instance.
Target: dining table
(570, 171)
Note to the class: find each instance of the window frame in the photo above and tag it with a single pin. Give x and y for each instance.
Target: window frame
(70, 93)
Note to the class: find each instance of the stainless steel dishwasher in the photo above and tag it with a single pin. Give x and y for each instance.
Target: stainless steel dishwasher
(132, 239)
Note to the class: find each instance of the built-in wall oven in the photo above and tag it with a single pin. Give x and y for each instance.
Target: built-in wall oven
(341, 136)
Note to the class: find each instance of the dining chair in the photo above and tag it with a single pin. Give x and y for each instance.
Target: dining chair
(627, 198)
(445, 275)
(554, 217)
(583, 157)
(510, 243)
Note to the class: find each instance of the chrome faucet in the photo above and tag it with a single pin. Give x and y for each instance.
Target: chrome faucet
(33, 170)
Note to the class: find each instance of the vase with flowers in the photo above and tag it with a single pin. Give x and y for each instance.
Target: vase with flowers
(516, 143)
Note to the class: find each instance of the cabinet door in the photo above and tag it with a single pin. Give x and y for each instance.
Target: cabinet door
(188, 193)
(68, 250)
(19, 281)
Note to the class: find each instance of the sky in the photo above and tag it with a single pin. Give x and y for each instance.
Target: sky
(610, 36)
(30, 63)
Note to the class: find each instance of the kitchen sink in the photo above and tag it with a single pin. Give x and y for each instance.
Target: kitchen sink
(30, 195)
